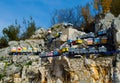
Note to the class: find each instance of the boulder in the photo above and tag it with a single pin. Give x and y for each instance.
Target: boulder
(24, 44)
(18, 80)
(4, 51)
(39, 34)
(118, 37)
(117, 24)
(71, 33)
(12, 69)
(12, 43)
(8, 80)
(40, 31)
(17, 75)
(2, 65)
(104, 23)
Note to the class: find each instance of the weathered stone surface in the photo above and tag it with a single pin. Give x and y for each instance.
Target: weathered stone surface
(4, 51)
(39, 34)
(118, 37)
(18, 80)
(12, 69)
(29, 69)
(17, 75)
(13, 43)
(71, 33)
(104, 23)
(107, 20)
(117, 24)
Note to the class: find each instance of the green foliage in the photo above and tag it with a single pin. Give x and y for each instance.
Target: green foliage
(1, 58)
(28, 63)
(3, 42)
(115, 7)
(108, 5)
(12, 32)
(29, 30)
(17, 65)
(6, 63)
(1, 76)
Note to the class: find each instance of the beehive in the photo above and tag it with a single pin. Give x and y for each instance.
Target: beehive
(13, 49)
(104, 40)
(97, 41)
(24, 49)
(90, 41)
(79, 41)
(19, 49)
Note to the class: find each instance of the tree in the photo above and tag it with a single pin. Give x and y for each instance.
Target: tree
(115, 7)
(71, 15)
(97, 6)
(79, 16)
(12, 32)
(106, 5)
(87, 18)
(29, 30)
(3, 42)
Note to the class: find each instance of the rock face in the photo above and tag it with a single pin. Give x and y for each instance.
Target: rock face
(108, 21)
(104, 23)
(33, 69)
(112, 22)
(70, 33)
(118, 37)
(4, 51)
(60, 70)
(39, 34)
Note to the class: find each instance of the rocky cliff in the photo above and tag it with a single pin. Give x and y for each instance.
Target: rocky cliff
(33, 69)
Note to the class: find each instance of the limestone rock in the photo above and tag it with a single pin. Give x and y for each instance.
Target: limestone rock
(39, 34)
(12, 69)
(71, 33)
(2, 65)
(17, 75)
(8, 80)
(13, 43)
(18, 80)
(107, 20)
(104, 23)
(118, 37)
(4, 51)
(117, 24)
(23, 44)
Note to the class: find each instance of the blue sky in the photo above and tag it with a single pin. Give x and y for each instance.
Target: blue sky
(40, 10)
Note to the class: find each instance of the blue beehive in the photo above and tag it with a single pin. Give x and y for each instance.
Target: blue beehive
(102, 49)
(83, 50)
(92, 50)
(43, 54)
(76, 51)
(69, 41)
(104, 31)
(71, 49)
(91, 34)
(100, 32)
(97, 41)
(55, 53)
(50, 40)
